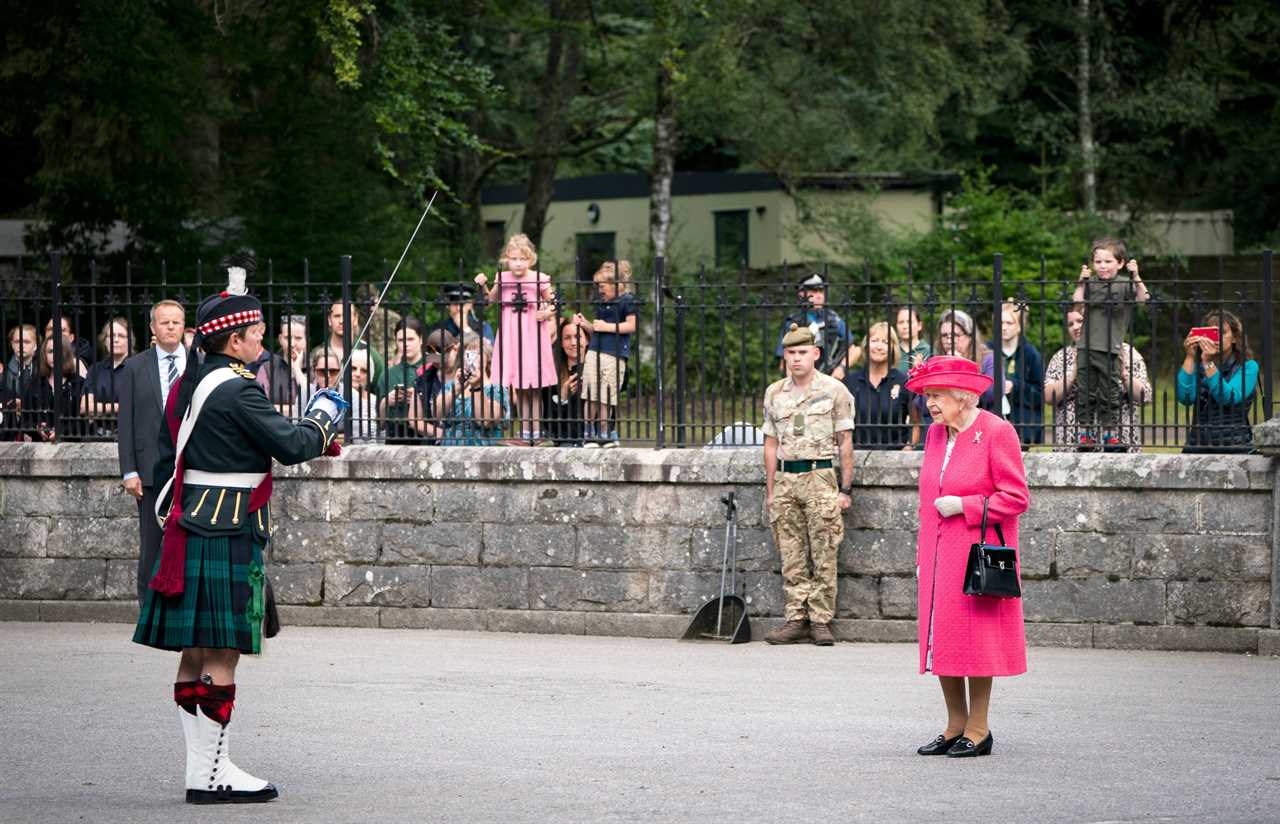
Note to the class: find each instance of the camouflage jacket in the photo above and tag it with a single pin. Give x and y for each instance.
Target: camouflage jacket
(806, 423)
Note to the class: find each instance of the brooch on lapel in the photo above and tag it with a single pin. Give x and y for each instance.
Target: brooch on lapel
(977, 438)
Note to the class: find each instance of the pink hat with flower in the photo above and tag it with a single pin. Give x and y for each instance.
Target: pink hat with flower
(948, 372)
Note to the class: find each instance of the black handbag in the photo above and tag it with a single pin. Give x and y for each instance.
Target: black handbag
(992, 570)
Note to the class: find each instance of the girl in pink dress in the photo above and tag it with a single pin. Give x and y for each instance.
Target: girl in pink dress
(522, 357)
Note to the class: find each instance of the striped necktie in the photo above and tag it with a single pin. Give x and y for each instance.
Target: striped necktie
(172, 376)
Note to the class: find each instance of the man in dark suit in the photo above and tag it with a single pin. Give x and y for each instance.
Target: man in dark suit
(145, 381)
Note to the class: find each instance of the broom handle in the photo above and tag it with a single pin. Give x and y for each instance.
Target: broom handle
(730, 539)
(724, 564)
(732, 529)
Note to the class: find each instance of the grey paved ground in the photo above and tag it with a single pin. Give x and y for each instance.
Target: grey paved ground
(383, 725)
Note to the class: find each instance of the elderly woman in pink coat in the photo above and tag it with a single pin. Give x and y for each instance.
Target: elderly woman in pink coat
(970, 456)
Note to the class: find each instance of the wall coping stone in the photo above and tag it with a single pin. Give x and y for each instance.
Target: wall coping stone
(675, 466)
(1266, 437)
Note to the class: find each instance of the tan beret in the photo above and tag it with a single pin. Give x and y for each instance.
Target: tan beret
(799, 335)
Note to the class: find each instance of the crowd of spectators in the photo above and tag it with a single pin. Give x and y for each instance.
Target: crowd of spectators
(1096, 389)
(418, 384)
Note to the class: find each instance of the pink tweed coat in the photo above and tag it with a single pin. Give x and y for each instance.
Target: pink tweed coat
(972, 635)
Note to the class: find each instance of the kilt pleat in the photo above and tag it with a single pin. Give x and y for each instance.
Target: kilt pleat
(220, 605)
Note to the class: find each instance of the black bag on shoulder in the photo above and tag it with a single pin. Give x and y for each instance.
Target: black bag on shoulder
(992, 570)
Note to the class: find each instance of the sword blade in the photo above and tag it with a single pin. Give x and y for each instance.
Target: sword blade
(355, 344)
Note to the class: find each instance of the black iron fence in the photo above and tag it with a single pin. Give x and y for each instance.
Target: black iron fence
(670, 359)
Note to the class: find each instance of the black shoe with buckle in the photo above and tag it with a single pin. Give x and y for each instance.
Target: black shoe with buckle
(965, 748)
(938, 746)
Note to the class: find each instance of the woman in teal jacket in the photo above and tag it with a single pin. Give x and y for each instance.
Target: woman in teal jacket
(1219, 379)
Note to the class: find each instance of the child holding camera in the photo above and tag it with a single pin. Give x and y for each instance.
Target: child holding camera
(474, 413)
(1105, 296)
(606, 363)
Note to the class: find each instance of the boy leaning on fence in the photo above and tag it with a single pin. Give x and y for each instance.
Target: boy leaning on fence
(605, 367)
(1106, 297)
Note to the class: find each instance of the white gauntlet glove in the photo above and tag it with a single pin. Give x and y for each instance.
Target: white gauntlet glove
(949, 505)
(329, 402)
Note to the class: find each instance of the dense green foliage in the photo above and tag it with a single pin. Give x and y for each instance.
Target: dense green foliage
(320, 127)
(985, 220)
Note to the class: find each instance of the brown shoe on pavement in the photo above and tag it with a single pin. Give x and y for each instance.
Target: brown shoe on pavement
(795, 631)
(821, 634)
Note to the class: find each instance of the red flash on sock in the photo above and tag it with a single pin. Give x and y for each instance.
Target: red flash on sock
(218, 700)
(185, 695)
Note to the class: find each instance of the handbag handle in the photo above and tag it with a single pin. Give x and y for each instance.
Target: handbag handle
(999, 531)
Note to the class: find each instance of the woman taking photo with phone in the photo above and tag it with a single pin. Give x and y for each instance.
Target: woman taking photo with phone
(563, 403)
(1219, 379)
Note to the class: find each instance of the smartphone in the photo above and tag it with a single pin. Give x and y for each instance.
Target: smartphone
(1210, 332)
(471, 360)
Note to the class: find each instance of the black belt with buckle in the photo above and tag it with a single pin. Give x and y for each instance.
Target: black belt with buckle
(804, 466)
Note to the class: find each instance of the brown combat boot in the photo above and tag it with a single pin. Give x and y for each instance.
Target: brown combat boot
(821, 634)
(795, 631)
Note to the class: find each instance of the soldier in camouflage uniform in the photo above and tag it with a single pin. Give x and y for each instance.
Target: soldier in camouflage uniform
(807, 417)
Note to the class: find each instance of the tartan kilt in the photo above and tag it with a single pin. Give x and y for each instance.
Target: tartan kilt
(222, 604)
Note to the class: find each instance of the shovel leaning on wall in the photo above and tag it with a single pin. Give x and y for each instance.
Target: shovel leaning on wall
(724, 618)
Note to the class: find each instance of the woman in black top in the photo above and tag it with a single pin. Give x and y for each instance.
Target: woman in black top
(38, 400)
(880, 396)
(563, 403)
(99, 403)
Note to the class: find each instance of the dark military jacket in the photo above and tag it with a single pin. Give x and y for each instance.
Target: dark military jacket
(238, 431)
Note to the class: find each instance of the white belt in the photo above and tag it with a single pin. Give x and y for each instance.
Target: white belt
(233, 480)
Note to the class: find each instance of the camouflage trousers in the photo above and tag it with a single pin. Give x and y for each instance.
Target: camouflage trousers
(807, 528)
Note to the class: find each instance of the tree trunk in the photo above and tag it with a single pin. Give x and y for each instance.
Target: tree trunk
(664, 163)
(560, 83)
(465, 232)
(1088, 151)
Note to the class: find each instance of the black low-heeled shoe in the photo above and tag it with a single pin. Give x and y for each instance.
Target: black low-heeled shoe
(938, 746)
(965, 748)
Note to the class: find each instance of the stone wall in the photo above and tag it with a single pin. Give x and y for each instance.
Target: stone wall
(1124, 551)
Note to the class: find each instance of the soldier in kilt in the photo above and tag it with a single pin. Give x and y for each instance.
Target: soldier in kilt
(209, 597)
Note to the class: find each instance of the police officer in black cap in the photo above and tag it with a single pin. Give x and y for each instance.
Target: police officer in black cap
(460, 300)
(828, 328)
(209, 597)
